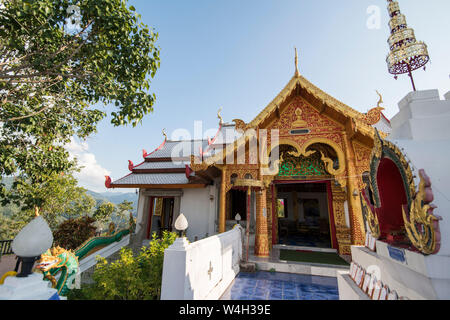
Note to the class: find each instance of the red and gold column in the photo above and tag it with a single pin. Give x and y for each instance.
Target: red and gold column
(261, 237)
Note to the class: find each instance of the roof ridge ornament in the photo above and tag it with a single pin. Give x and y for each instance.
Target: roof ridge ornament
(145, 154)
(373, 116)
(220, 116)
(381, 99)
(297, 72)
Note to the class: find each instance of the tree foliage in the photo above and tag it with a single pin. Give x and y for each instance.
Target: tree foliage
(72, 233)
(104, 211)
(58, 196)
(61, 199)
(60, 61)
(122, 212)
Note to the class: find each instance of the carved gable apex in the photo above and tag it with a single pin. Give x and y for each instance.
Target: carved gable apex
(298, 114)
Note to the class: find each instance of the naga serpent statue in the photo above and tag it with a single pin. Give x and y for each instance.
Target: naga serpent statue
(57, 260)
(66, 262)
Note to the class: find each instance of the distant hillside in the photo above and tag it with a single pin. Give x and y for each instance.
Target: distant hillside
(113, 197)
(116, 198)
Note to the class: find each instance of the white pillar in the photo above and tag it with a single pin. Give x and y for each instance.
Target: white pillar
(175, 272)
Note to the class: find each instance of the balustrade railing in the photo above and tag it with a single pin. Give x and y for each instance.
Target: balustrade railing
(5, 247)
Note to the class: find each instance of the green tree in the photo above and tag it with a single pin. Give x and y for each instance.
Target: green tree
(61, 199)
(83, 204)
(122, 213)
(104, 211)
(60, 62)
(9, 227)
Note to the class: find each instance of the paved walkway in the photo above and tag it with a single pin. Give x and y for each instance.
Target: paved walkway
(263, 285)
(286, 280)
(7, 263)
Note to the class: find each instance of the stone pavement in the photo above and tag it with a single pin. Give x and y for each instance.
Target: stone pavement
(7, 263)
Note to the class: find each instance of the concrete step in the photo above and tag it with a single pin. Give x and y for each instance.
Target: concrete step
(314, 269)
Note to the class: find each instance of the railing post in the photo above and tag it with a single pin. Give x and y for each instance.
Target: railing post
(175, 272)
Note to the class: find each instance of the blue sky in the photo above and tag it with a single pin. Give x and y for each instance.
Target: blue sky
(239, 54)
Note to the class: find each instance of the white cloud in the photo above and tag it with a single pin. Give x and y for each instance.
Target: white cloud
(92, 174)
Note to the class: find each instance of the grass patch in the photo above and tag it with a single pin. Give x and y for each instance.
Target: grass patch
(312, 257)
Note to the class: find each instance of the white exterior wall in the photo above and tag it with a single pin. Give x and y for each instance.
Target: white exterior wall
(202, 270)
(199, 208)
(421, 130)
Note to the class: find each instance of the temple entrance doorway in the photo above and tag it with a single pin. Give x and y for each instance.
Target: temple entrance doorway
(238, 204)
(161, 215)
(303, 212)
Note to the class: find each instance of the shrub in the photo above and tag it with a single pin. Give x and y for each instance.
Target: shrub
(73, 232)
(130, 277)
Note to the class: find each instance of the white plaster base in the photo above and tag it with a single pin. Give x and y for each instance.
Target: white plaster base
(32, 287)
(201, 270)
(414, 279)
(348, 290)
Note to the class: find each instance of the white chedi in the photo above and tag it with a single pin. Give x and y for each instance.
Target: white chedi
(34, 239)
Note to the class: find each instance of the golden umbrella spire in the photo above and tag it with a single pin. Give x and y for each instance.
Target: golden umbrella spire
(406, 53)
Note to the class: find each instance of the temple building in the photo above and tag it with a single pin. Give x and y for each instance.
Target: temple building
(294, 173)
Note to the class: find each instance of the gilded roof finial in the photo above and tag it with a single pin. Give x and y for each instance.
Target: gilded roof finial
(219, 116)
(406, 53)
(297, 72)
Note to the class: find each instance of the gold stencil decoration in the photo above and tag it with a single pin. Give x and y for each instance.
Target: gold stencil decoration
(420, 223)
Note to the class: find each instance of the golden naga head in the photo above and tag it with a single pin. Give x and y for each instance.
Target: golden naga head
(48, 262)
(52, 258)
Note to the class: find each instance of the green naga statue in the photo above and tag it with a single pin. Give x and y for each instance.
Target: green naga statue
(58, 259)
